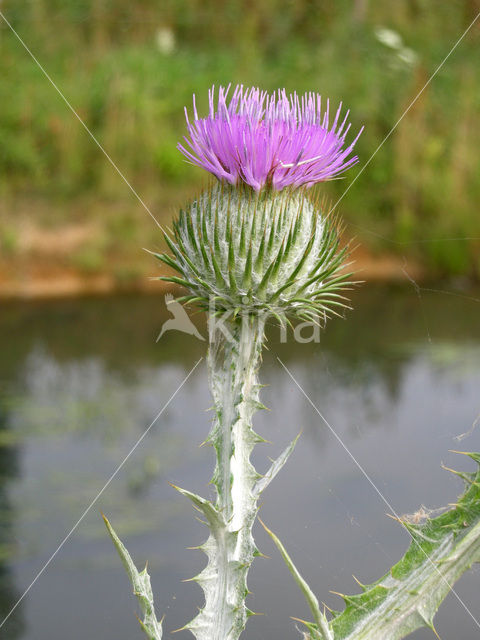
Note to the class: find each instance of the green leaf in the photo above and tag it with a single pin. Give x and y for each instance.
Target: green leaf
(321, 623)
(409, 595)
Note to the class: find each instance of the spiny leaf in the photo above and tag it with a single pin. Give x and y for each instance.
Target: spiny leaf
(214, 517)
(408, 597)
(322, 625)
(277, 464)
(141, 588)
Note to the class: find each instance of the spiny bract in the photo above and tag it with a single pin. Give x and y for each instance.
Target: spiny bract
(271, 252)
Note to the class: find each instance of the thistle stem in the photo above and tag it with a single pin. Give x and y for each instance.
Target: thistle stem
(233, 361)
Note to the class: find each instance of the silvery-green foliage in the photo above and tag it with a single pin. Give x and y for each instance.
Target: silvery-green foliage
(141, 588)
(409, 595)
(233, 362)
(246, 256)
(272, 252)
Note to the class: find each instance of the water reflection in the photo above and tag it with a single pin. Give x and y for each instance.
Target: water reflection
(9, 470)
(82, 380)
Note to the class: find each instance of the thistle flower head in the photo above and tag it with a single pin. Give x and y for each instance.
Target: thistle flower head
(271, 253)
(274, 139)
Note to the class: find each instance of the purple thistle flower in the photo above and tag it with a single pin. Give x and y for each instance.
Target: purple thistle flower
(276, 139)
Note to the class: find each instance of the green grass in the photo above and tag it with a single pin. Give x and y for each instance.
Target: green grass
(417, 197)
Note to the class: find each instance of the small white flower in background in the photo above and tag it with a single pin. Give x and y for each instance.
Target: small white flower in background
(165, 39)
(393, 40)
(408, 56)
(389, 38)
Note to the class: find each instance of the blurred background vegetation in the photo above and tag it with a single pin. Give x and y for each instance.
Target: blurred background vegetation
(129, 68)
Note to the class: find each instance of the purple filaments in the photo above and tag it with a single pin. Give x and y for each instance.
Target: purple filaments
(276, 139)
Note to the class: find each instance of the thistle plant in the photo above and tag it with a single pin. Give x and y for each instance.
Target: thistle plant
(256, 246)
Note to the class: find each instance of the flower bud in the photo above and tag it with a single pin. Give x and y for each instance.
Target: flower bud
(251, 252)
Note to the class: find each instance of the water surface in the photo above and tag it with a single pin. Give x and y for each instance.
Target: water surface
(80, 381)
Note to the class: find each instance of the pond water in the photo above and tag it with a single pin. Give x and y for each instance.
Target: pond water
(80, 382)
